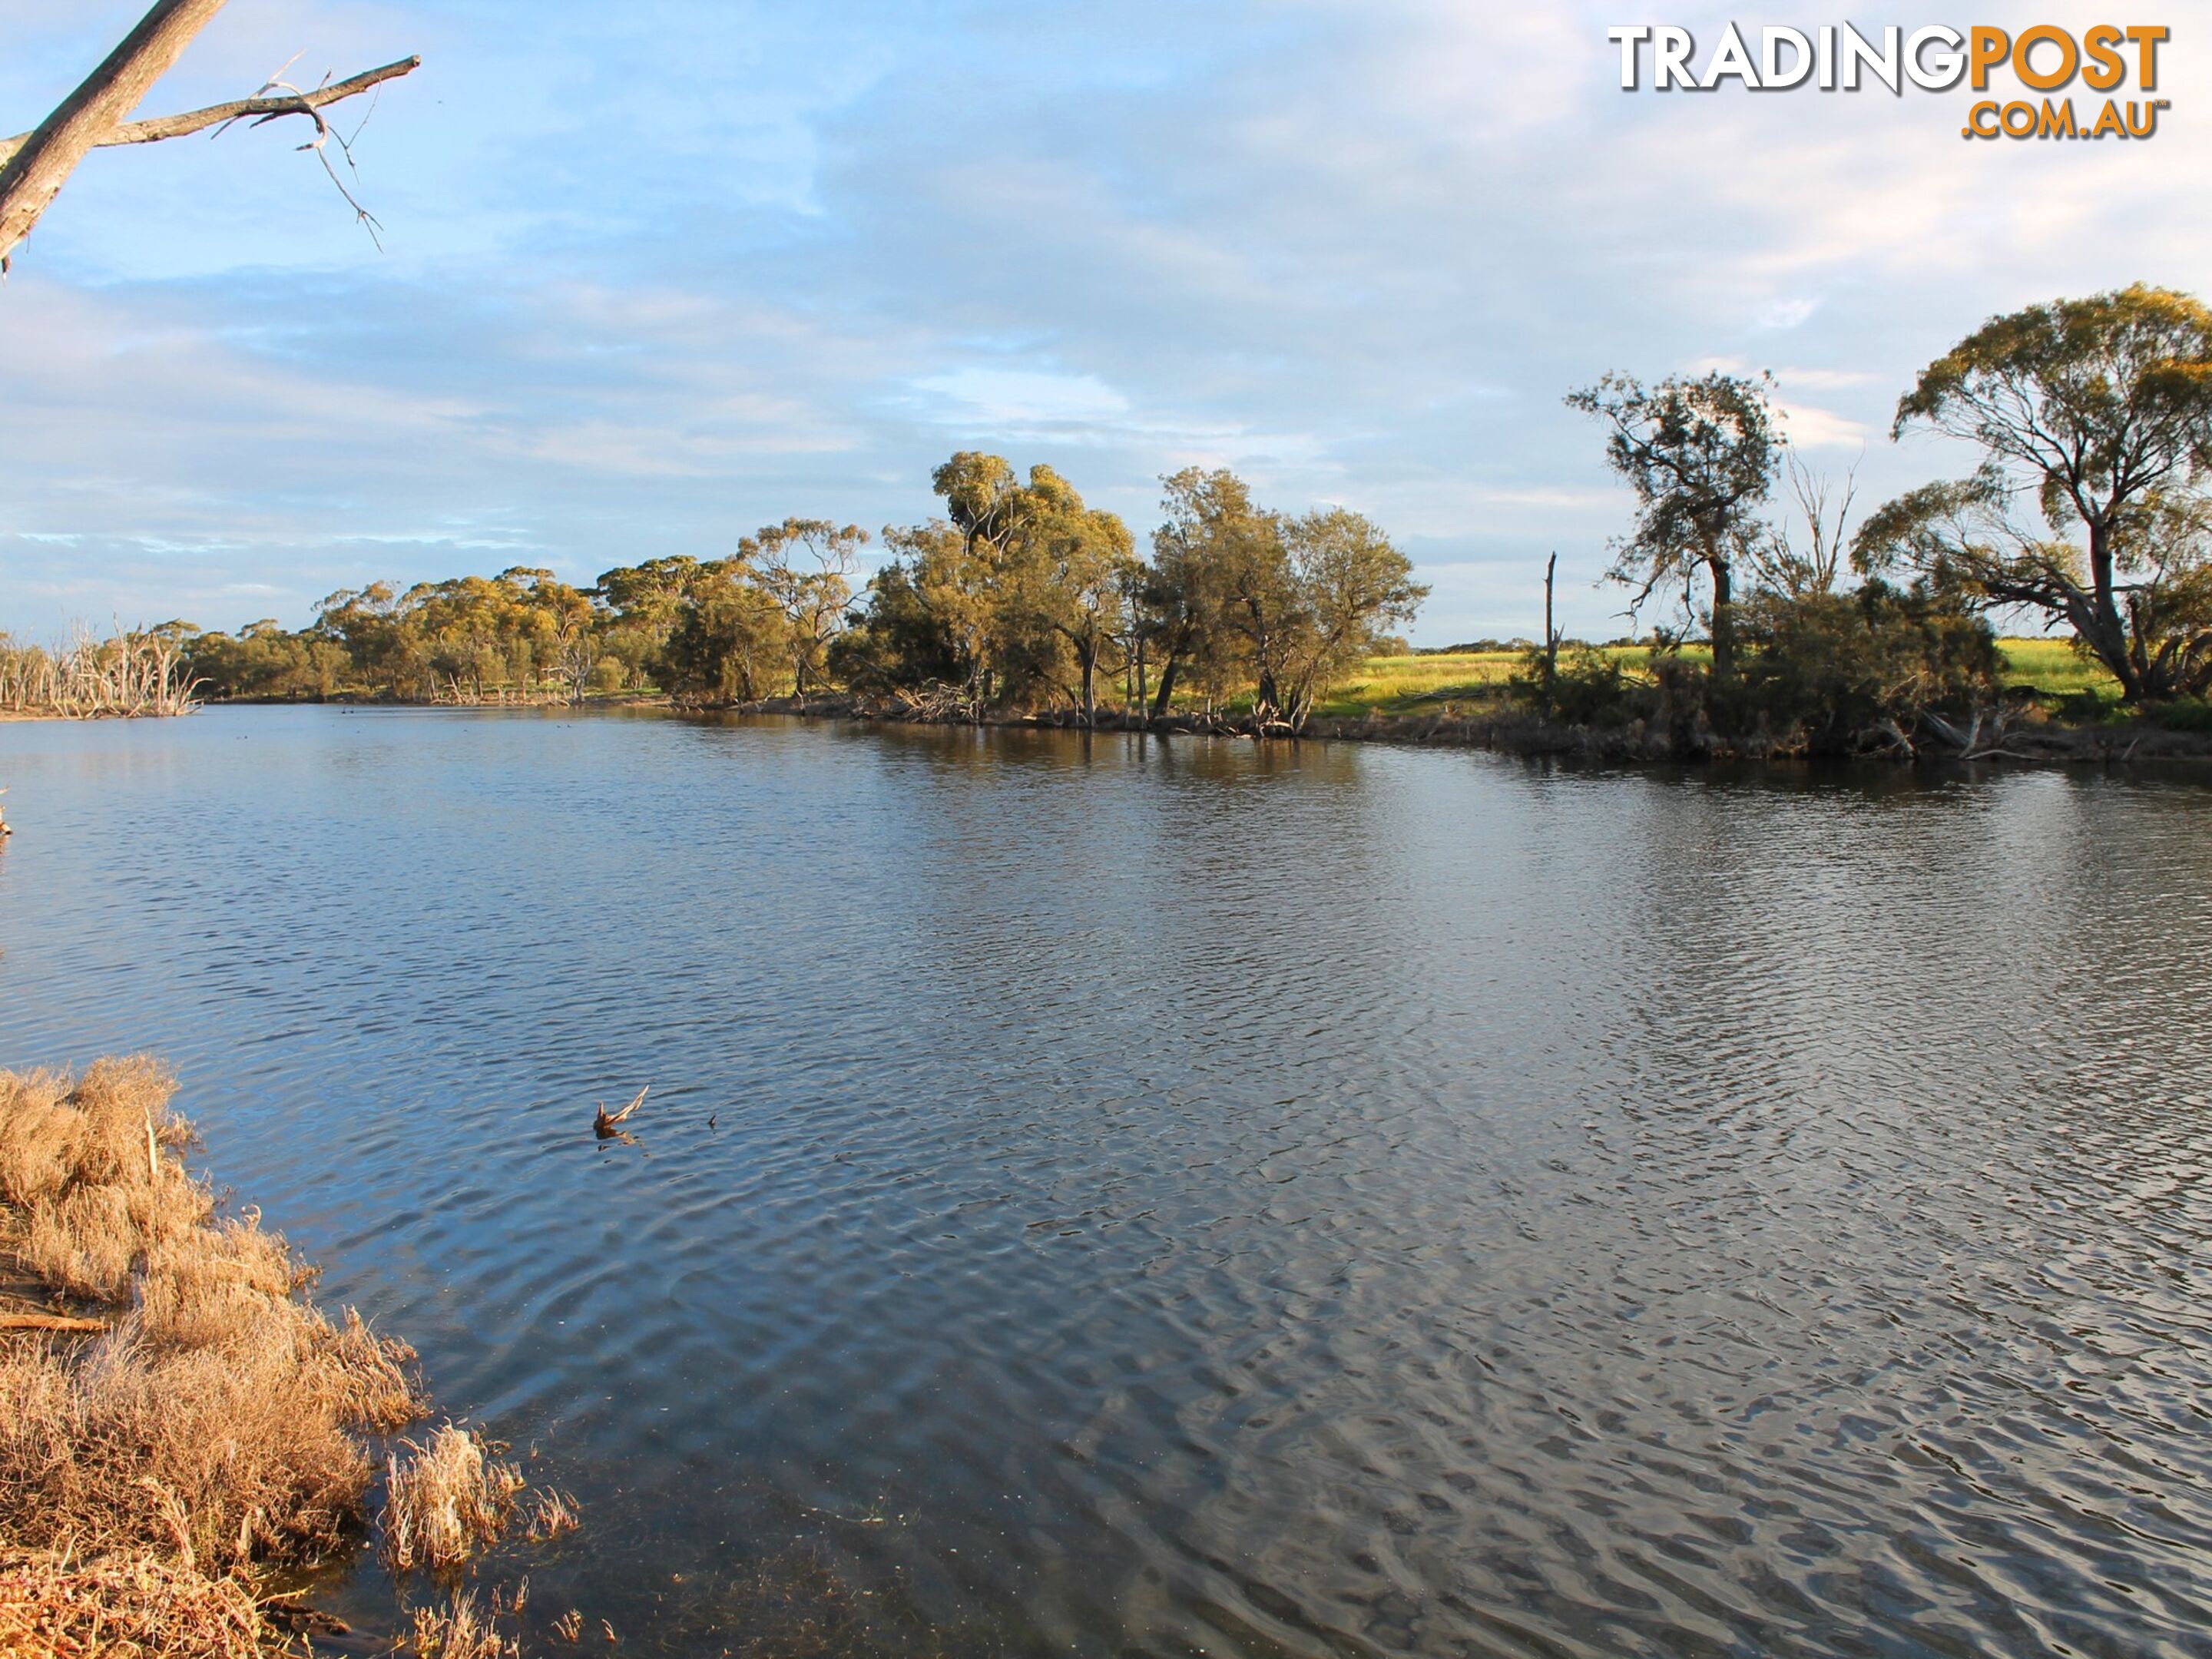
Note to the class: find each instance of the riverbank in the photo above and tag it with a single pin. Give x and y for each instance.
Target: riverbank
(179, 1423)
(2023, 736)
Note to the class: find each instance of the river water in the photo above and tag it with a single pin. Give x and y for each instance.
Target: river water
(1122, 1197)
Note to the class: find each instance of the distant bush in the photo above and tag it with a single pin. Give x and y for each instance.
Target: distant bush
(1827, 671)
(1586, 687)
(1819, 673)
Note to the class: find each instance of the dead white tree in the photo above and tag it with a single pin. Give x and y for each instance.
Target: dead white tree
(35, 164)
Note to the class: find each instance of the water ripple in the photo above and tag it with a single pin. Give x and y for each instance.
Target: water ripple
(1125, 1197)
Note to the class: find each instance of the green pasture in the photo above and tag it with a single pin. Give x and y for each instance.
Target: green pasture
(1410, 684)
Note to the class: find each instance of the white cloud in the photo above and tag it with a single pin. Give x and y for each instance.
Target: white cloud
(662, 272)
(980, 393)
(1808, 426)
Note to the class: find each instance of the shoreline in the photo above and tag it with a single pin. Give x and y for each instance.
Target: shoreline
(2028, 742)
(1528, 735)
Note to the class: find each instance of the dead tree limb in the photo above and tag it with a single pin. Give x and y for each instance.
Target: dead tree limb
(36, 172)
(256, 110)
(34, 166)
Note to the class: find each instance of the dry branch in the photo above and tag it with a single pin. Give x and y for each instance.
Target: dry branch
(603, 1122)
(33, 166)
(35, 172)
(256, 110)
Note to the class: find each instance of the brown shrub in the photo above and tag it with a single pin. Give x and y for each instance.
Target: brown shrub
(83, 1242)
(218, 1284)
(211, 1457)
(38, 1135)
(364, 1377)
(552, 1513)
(123, 1106)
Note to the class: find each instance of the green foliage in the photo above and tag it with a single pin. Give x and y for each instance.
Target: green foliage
(1826, 669)
(2190, 714)
(1022, 596)
(1587, 686)
(1237, 597)
(805, 566)
(2099, 411)
(899, 642)
(2088, 706)
(263, 660)
(1701, 455)
(728, 641)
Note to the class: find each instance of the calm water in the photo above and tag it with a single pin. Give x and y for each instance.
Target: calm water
(1171, 1199)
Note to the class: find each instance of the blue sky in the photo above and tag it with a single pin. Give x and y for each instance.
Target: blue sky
(659, 272)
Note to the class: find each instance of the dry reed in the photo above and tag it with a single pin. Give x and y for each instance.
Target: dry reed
(125, 1607)
(446, 1500)
(552, 1513)
(460, 1629)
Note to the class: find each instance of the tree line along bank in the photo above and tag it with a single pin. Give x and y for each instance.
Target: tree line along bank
(2089, 423)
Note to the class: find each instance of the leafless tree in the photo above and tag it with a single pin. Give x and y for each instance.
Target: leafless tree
(1781, 564)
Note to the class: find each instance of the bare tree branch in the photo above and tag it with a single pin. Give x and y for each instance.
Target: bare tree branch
(33, 166)
(35, 174)
(257, 110)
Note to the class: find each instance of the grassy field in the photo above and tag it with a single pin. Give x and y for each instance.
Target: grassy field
(1397, 685)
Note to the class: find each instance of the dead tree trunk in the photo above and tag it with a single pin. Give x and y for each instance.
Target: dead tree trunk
(1551, 636)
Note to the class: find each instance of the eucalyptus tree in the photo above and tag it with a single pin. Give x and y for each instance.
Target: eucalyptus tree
(728, 641)
(1077, 564)
(1351, 583)
(2099, 412)
(1211, 529)
(1701, 455)
(806, 566)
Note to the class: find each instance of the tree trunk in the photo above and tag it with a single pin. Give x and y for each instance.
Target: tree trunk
(1090, 674)
(36, 172)
(2110, 636)
(1161, 702)
(1723, 616)
(1266, 698)
(1551, 638)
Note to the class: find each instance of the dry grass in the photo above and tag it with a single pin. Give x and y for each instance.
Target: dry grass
(460, 1629)
(216, 1421)
(125, 1607)
(215, 1425)
(445, 1501)
(213, 1429)
(552, 1513)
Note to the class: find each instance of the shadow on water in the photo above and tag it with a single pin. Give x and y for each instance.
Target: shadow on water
(1112, 1195)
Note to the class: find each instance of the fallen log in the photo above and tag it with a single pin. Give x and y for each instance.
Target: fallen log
(41, 1322)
